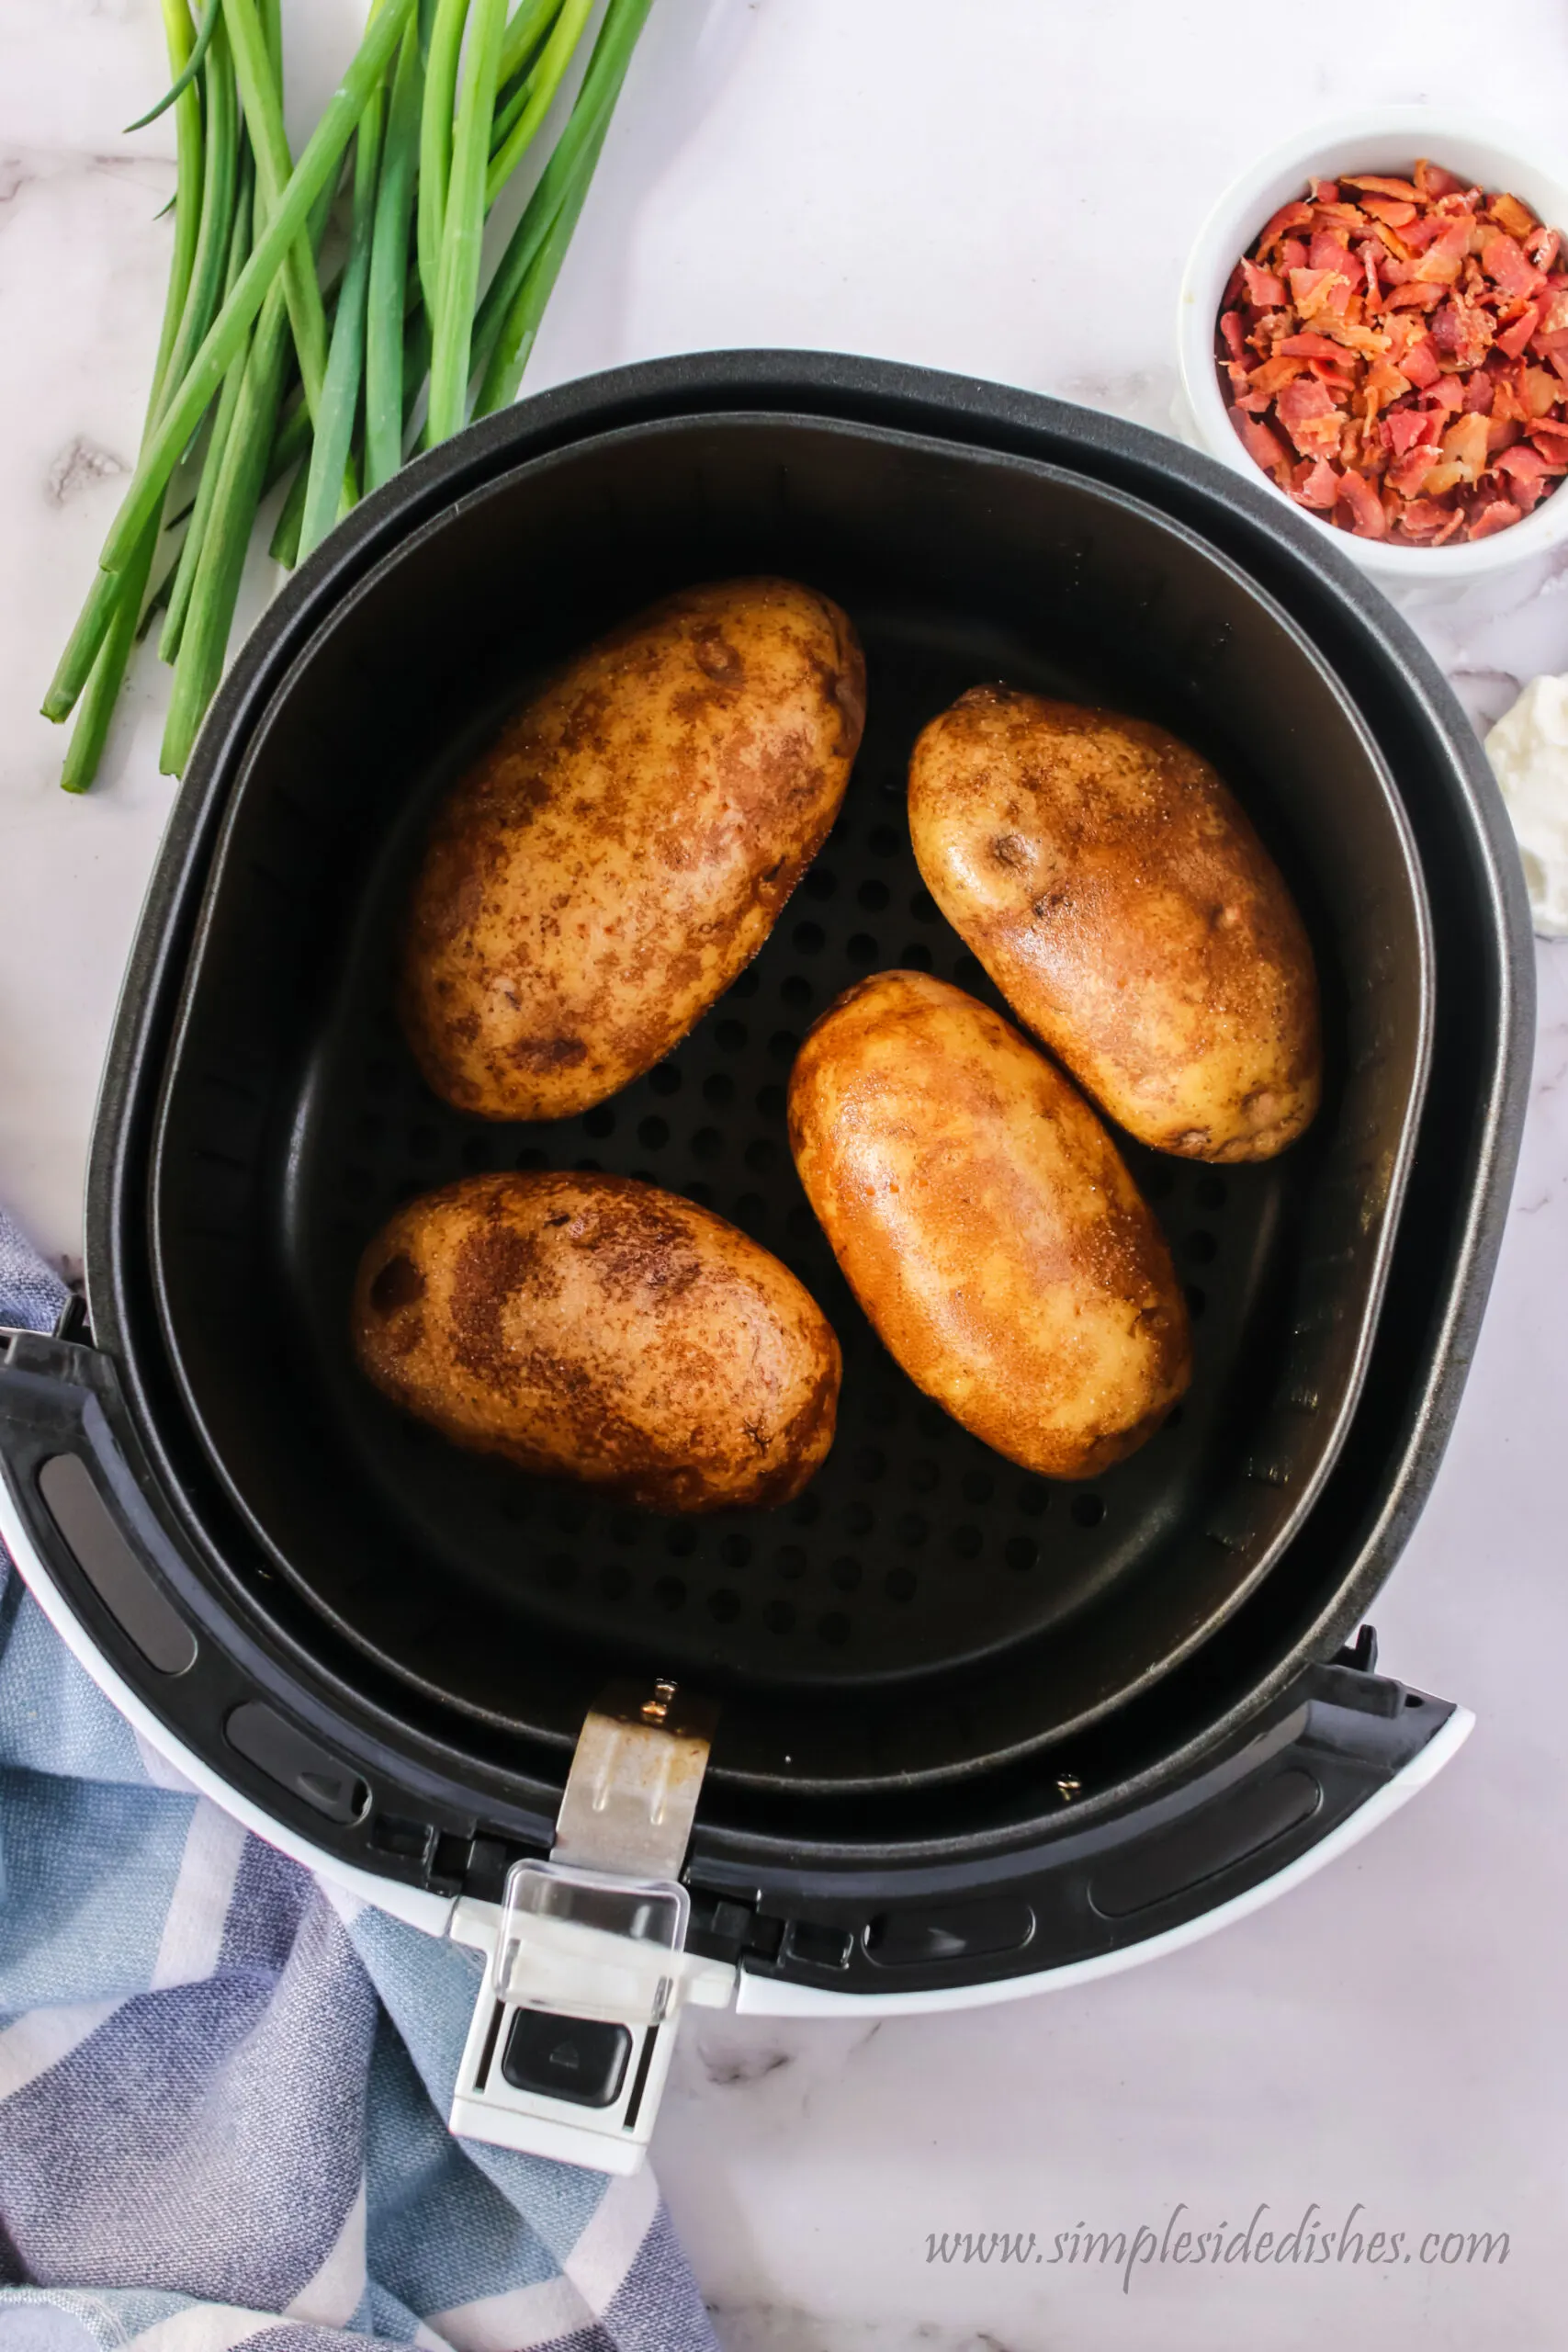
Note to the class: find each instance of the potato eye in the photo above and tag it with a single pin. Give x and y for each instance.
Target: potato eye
(399, 1284)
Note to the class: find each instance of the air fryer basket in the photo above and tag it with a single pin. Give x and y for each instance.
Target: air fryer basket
(925, 1609)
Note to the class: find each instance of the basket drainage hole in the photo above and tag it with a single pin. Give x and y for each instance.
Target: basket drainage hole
(821, 883)
(916, 958)
(977, 1487)
(790, 1562)
(707, 1144)
(911, 1529)
(1023, 1552)
(833, 1627)
(845, 1574)
(665, 1078)
(718, 1092)
(1196, 1301)
(966, 1542)
(615, 1582)
(599, 1122)
(780, 1616)
(670, 1592)
(653, 1135)
(681, 1543)
(724, 1605)
(922, 906)
(475, 1152)
(1202, 1246)
(899, 1584)
(872, 897)
(809, 938)
(797, 991)
(746, 983)
(861, 948)
(735, 1550)
(1088, 1509)
(561, 1572)
(1209, 1192)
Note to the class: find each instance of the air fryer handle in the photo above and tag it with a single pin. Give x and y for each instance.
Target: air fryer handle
(1344, 1749)
(78, 1498)
(70, 1483)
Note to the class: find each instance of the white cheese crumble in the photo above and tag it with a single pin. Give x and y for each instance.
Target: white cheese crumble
(1529, 751)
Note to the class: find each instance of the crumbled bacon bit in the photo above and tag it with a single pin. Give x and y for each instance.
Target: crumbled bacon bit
(1394, 353)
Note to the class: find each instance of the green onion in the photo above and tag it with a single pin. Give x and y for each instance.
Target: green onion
(220, 180)
(289, 443)
(589, 119)
(113, 605)
(223, 423)
(192, 68)
(346, 364)
(522, 36)
(385, 305)
(435, 141)
(312, 175)
(259, 87)
(464, 226)
(509, 358)
(221, 561)
(283, 545)
(262, 357)
(538, 93)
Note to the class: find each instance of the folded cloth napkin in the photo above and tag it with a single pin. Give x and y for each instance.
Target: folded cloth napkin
(223, 2085)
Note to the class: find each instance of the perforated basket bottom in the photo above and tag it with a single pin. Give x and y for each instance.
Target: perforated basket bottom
(916, 1547)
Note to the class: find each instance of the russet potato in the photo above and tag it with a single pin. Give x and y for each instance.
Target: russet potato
(624, 848)
(986, 1223)
(595, 1328)
(1121, 902)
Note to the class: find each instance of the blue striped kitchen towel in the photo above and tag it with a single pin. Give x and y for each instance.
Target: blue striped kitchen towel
(222, 2085)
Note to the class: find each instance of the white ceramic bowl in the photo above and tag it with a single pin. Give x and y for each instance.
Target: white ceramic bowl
(1390, 140)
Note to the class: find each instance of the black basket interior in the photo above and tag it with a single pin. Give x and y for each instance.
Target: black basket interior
(925, 1608)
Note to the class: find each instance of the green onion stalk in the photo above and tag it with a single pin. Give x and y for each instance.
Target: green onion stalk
(268, 366)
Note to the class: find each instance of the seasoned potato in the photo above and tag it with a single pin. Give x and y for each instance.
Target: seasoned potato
(624, 848)
(988, 1226)
(1124, 907)
(594, 1328)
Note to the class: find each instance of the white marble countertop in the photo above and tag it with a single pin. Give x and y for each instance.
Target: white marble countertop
(1004, 189)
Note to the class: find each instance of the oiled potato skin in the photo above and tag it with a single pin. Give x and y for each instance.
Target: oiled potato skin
(988, 1226)
(1124, 905)
(598, 1329)
(623, 850)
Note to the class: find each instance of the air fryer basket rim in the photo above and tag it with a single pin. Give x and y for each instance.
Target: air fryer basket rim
(1301, 1444)
(1230, 509)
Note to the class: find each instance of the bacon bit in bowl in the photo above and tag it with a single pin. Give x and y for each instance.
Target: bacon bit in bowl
(1394, 353)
